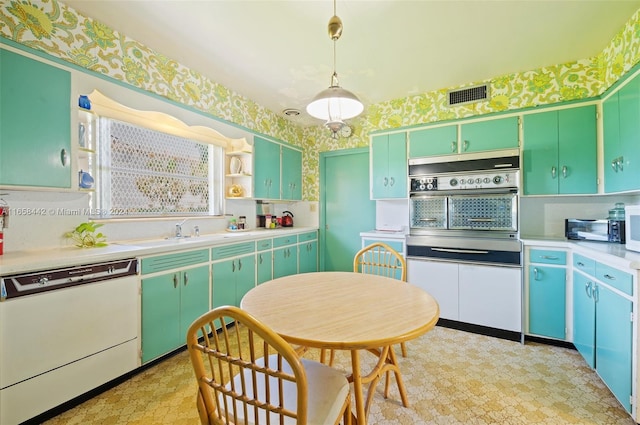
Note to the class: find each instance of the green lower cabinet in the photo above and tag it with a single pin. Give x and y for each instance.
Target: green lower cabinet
(547, 301)
(231, 279)
(264, 262)
(584, 317)
(614, 338)
(308, 257)
(170, 303)
(285, 261)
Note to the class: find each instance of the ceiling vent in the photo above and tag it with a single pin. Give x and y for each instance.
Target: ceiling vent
(468, 95)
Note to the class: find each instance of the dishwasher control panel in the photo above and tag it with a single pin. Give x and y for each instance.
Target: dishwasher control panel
(48, 280)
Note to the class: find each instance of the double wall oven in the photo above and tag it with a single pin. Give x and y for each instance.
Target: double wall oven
(463, 244)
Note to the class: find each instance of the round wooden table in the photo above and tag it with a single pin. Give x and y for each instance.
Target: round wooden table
(346, 311)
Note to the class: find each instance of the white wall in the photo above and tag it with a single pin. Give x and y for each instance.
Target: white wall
(544, 216)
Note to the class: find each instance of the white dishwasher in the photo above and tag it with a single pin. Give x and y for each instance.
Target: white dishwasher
(64, 332)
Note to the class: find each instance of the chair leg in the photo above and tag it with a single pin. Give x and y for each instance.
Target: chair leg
(404, 349)
(323, 357)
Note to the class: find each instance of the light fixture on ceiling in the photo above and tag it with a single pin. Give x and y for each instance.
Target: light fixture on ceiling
(335, 104)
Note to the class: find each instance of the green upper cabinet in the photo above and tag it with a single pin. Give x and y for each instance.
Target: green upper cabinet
(559, 152)
(277, 171)
(433, 141)
(489, 135)
(291, 174)
(266, 160)
(35, 112)
(621, 138)
(389, 166)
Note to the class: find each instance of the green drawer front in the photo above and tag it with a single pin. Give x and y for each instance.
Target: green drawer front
(264, 244)
(397, 245)
(284, 241)
(174, 261)
(585, 264)
(309, 236)
(617, 279)
(547, 256)
(232, 250)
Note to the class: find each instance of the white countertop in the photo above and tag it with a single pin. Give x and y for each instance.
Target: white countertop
(615, 254)
(387, 234)
(25, 261)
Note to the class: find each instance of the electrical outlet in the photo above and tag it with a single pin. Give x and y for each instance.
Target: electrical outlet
(312, 207)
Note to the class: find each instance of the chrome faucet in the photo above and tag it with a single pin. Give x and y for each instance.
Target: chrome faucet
(179, 228)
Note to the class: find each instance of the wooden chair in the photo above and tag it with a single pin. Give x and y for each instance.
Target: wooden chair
(248, 375)
(380, 259)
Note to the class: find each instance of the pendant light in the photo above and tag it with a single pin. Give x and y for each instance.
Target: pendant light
(335, 104)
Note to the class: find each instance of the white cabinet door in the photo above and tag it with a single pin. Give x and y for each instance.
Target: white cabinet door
(440, 280)
(491, 296)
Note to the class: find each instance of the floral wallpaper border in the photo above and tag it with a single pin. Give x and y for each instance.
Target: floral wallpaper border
(52, 27)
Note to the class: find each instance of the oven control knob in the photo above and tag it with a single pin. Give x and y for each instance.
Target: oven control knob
(453, 182)
(478, 180)
(497, 179)
(486, 180)
(423, 187)
(430, 186)
(43, 281)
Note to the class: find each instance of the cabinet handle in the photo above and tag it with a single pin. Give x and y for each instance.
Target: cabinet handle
(580, 263)
(239, 264)
(589, 289)
(64, 157)
(465, 145)
(608, 276)
(385, 182)
(549, 257)
(175, 280)
(454, 146)
(535, 273)
(614, 165)
(564, 171)
(553, 172)
(620, 163)
(260, 259)
(392, 181)
(186, 278)
(233, 266)
(596, 298)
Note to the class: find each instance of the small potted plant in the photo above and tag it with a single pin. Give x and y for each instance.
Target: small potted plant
(85, 236)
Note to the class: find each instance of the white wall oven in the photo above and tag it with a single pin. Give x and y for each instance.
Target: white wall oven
(463, 244)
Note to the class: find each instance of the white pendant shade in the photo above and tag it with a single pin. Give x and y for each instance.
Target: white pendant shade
(335, 104)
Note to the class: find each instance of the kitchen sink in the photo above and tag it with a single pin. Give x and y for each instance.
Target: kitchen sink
(187, 240)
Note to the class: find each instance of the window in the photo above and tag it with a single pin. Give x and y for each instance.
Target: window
(145, 173)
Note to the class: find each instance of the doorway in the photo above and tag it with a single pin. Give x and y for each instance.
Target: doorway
(346, 209)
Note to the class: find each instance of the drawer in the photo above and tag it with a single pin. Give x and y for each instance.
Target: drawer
(309, 236)
(284, 241)
(227, 251)
(396, 245)
(264, 244)
(174, 261)
(548, 256)
(587, 265)
(615, 278)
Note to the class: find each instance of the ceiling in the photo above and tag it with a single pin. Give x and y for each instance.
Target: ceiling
(278, 53)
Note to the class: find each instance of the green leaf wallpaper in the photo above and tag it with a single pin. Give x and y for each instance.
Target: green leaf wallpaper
(56, 29)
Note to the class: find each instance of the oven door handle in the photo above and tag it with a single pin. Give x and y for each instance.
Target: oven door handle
(428, 219)
(459, 251)
(481, 220)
